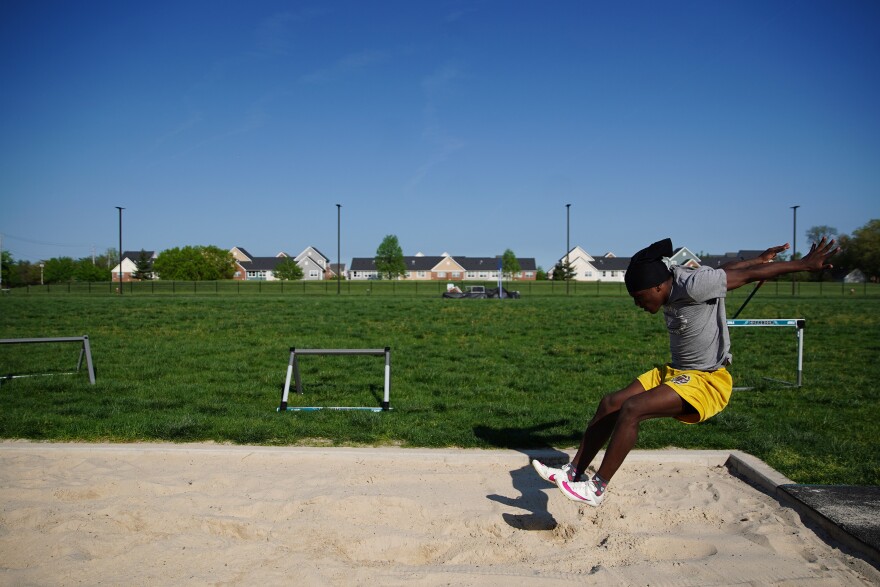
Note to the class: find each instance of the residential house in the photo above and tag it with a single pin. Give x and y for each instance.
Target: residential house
(445, 267)
(129, 263)
(684, 257)
(588, 268)
(612, 268)
(315, 265)
(250, 267)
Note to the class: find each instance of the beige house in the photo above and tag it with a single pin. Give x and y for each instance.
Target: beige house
(445, 267)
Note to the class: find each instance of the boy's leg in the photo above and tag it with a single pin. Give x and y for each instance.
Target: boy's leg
(660, 402)
(602, 425)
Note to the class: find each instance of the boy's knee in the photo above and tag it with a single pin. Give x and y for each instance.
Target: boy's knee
(607, 405)
(630, 410)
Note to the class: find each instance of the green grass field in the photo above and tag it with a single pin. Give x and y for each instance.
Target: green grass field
(521, 373)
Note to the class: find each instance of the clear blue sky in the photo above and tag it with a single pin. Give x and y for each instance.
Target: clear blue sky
(459, 126)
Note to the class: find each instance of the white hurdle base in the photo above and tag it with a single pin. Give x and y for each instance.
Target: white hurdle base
(293, 371)
(798, 323)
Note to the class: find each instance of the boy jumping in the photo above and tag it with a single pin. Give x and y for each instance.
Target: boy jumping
(695, 385)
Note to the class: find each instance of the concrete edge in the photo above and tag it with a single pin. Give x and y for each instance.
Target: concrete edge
(769, 480)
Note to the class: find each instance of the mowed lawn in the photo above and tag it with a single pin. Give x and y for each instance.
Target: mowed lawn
(523, 373)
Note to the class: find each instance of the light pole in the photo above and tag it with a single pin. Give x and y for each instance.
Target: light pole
(41, 272)
(794, 248)
(120, 247)
(338, 240)
(567, 244)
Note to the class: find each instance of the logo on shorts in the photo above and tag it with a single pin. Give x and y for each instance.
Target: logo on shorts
(681, 379)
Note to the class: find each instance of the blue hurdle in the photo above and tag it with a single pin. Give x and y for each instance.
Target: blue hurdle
(293, 370)
(797, 323)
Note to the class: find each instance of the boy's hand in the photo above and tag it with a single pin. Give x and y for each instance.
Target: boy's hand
(817, 258)
(770, 254)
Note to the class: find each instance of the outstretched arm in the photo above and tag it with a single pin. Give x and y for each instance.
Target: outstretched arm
(760, 268)
(765, 257)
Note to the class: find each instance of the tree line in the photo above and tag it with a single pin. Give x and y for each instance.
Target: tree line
(861, 250)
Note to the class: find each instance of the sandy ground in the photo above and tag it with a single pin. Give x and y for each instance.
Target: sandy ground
(149, 514)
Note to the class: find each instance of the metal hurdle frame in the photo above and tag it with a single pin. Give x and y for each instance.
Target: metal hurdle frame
(86, 352)
(798, 323)
(293, 370)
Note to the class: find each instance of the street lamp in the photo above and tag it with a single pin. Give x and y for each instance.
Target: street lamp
(41, 272)
(120, 247)
(338, 240)
(567, 245)
(794, 248)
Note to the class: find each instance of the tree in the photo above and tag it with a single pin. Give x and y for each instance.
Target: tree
(563, 272)
(109, 259)
(143, 267)
(87, 271)
(197, 263)
(816, 233)
(863, 249)
(6, 263)
(288, 270)
(59, 270)
(389, 258)
(510, 264)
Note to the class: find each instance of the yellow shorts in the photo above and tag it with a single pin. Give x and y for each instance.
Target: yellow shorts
(707, 391)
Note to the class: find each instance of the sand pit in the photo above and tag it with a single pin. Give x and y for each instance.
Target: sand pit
(212, 514)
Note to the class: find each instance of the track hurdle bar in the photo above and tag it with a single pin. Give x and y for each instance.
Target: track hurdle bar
(798, 323)
(293, 370)
(85, 351)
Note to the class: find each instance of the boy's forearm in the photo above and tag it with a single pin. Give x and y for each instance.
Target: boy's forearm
(738, 276)
(743, 263)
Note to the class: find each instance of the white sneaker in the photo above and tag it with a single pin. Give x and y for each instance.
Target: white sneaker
(551, 474)
(584, 491)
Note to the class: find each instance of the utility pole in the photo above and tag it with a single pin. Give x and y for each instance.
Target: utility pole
(567, 245)
(120, 247)
(794, 249)
(338, 240)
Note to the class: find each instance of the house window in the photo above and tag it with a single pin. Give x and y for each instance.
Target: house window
(421, 274)
(604, 274)
(471, 274)
(314, 273)
(456, 274)
(441, 275)
(588, 274)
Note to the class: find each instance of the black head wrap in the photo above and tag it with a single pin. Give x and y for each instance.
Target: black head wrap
(647, 268)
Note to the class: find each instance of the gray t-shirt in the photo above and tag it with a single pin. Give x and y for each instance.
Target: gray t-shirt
(696, 319)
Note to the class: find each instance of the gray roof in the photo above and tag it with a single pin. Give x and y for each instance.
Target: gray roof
(719, 260)
(611, 263)
(363, 264)
(136, 255)
(262, 263)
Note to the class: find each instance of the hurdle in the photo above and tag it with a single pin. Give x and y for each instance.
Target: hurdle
(85, 351)
(293, 370)
(797, 323)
